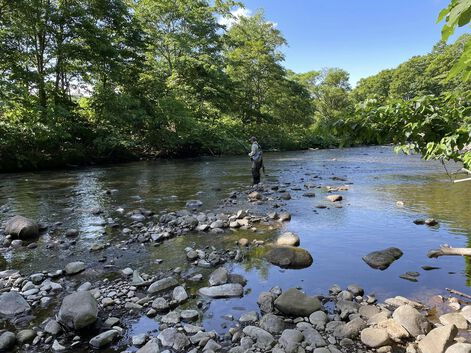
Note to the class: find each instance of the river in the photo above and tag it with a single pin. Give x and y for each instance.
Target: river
(369, 219)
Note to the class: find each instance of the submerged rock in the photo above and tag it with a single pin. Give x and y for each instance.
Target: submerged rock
(381, 259)
(22, 227)
(295, 303)
(223, 291)
(288, 239)
(289, 257)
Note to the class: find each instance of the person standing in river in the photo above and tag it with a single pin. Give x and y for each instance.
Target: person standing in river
(256, 157)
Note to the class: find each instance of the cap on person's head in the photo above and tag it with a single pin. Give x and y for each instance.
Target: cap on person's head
(253, 139)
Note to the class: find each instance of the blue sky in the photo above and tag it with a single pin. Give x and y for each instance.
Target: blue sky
(360, 36)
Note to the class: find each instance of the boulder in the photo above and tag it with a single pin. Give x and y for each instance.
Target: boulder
(104, 339)
(288, 239)
(290, 340)
(13, 304)
(383, 258)
(218, 277)
(295, 303)
(374, 337)
(75, 267)
(78, 310)
(162, 285)
(454, 319)
(22, 227)
(170, 337)
(439, 339)
(409, 318)
(223, 291)
(179, 294)
(272, 323)
(289, 257)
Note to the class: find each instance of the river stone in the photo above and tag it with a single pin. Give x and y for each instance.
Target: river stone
(351, 329)
(22, 227)
(57, 347)
(459, 348)
(284, 217)
(162, 285)
(7, 340)
(150, 347)
(25, 336)
(179, 294)
(272, 323)
(383, 258)
(78, 310)
(103, 339)
(318, 319)
(295, 303)
(454, 319)
(160, 304)
(170, 337)
(374, 337)
(194, 204)
(265, 302)
(288, 239)
(395, 331)
(368, 311)
(334, 198)
(53, 328)
(248, 318)
(189, 315)
(75, 267)
(439, 339)
(409, 318)
(262, 338)
(12, 304)
(218, 277)
(289, 257)
(223, 291)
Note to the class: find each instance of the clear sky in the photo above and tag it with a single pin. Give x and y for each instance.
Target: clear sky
(360, 36)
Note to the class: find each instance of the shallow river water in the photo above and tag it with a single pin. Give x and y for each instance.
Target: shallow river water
(337, 238)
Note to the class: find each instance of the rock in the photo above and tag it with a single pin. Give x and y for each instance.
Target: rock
(346, 307)
(179, 294)
(289, 257)
(22, 227)
(454, 319)
(218, 277)
(368, 311)
(194, 204)
(189, 315)
(57, 347)
(334, 198)
(383, 258)
(439, 339)
(53, 328)
(318, 319)
(151, 346)
(25, 336)
(78, 310)
(395, 331)
(374, 337)
(75, 267)
(356, 290)
(170, 337)
(288, 239)
(103, 339)
(127, 271)
(139, 340)
(248, 318)
(13, 304)
(459, 348)
(409, 318)
(222, 291)
(71, 233)
(262, 338)
(284, 217)
(431, 222)
(7, 340)
(265, 302)
(295, 303)
(243, 242)
(290, 340)
(160, 304)
(162, 285)
(255, 195)
(272, 323)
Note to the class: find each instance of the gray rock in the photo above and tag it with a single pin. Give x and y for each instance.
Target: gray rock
(356, 290)
(179, 294)
(272, 323)
(289, 257)
(318, 319)
(383, 258)
(75, 267)
(57, 347)
(139, 340)
(351, 329)
(223, 291)
(248, 318)
(25, 336)
(160, 304)
(265, 302)
(162, 285)
(13, 304)
(347, 307)
(7, 340)
(53, 328)
(368, 311)
(288, 239)
(104, 339)
(409, 318)
(78, 310)
(374, 337)
(262, 338)
(194, 204)
(284, 217)
(22, 227)
(151, 346)
(218, 277)
(189, 315)
(290, 340)
(170, 337)
(311, 336)
(439, 339)
(295, 303)
(454, 319)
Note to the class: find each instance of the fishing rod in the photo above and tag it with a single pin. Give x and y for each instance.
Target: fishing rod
(245, 148)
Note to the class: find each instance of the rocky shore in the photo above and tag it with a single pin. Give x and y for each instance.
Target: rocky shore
(93, 315)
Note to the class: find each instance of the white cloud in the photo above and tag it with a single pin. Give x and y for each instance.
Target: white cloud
(237, 14)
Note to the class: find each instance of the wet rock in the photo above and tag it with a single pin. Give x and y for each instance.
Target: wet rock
(179, 294)
(189, 315)
(139, 340)
(255, 196)
(284, 217)
(374, 337)
(78, 310)
(334, 198)
(71, 233)
(410, 276)
(152, 346)
(162, 285)
(248, 318)
(289, 257)
(7, 340)
(295, 303)
(290, 340)
(409, 318)
(22, 227)
(272, 323)
(13, 304)
(170, 337)
(383, 258)
(223, 291)
(285, 196)
(75, 267)
(356, 290)
(454, 319)
(288, 239)
(431, 222)
(194, 204)
(262, 338)
(218, 277)
(439, 339)
(104, 339)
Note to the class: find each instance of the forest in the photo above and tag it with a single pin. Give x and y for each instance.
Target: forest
(90, 81)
